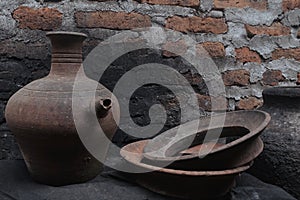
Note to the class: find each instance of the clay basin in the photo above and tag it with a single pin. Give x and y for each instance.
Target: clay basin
(179, 183)
(237, 144)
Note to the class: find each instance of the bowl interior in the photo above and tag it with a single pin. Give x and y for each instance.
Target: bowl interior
(238, 127)
(133, 153)
(197, 142)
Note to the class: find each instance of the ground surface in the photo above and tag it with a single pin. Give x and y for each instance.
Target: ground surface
(16, 184)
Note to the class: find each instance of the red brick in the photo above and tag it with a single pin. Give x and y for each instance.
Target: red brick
(42, 18)
(298, 34)
(111, 20)
(277, 29)
(205, 102)
(290, 4)
(258, 4)
(298, 79)
(272, 77)
(194, 78)
(286, 53)
(244, 55)
(179, 48)
(197, 24)
(188, 3)
(170, 103)
(240, 77)
(249, 103)
(214, 49)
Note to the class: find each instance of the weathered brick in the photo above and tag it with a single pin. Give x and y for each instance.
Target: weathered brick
(258, 4)
(249, 103)
(179, 48)
(298, 34)
(206, 102)
(111, 20)
(195, 79)
(42, 18)
(215, 49)
(286, 53)
(188, 3)
(272, 77)
(244, 55)
(290, 4)
(298, 79)
(276, 29)
(197, 24)
(240, 77)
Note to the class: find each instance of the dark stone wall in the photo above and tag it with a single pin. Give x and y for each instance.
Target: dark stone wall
(26, 64)
(231, 33)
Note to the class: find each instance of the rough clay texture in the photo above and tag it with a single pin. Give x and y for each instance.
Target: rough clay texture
(254, 44)
(215, 49)
(245, 55)
(279, 163)
(197, 24)
(42, 18)
(111, 20)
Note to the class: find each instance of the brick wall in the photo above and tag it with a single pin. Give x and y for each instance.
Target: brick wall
(254, 43)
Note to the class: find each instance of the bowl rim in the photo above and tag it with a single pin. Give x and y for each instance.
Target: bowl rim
(127, 155)
(252, 133)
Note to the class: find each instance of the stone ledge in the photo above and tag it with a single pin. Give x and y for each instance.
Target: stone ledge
(15, 183)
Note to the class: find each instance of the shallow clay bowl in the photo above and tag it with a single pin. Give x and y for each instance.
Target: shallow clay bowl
(238, 143)
(179, 183)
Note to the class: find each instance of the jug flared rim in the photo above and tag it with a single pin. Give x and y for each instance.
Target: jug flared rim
(65, 33)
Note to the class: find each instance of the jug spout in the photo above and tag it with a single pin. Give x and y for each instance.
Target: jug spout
(102, 106)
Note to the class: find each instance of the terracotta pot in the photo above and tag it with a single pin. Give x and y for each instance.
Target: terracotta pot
(208, 184)
(40, 116)
(280, 161)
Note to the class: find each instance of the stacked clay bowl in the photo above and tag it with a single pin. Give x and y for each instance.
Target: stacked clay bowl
(176, 167)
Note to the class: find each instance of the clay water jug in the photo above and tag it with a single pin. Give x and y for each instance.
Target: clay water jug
(280, 161)
(41, 117)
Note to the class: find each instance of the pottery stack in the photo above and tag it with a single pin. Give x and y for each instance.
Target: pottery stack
(183, 163)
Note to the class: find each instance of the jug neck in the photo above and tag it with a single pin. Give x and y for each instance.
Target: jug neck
(66, 52)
